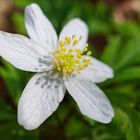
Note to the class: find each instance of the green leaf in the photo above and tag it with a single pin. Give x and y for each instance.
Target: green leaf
(125, 123)
(14, 79)
(12, 131)
(77, 128)
(110, 53)
(129, 53)
(19, 23)
(6, 112)
(128, 28)
(130, 73)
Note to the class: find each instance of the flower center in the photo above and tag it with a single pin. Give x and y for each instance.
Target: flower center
(69, 59)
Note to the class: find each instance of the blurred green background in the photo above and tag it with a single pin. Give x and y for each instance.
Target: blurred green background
(114, 38)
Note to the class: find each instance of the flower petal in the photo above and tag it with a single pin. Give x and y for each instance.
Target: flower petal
(97, 72)
(39, 27)
(21, 52)
(77, 28)
(39, 100)
(90, 99)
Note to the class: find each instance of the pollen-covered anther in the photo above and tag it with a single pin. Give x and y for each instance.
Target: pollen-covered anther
(61, 43)
(68, 59)
(67, 40)
(89, 53)
(75, 42)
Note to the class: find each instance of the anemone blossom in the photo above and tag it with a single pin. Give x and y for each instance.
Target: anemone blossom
(60, 63)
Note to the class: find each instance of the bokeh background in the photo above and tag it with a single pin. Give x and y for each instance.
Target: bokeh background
(114, 38)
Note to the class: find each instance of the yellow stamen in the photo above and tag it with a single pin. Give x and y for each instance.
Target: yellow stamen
(58, 68)
(89, 53)
(61, 43)
(75, 42)
(70, 50)
(85, 49)
(78, 51)
(67, 40)
(70, 60)
(86, 45)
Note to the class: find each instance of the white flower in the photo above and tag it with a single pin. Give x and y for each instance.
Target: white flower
(60, 65)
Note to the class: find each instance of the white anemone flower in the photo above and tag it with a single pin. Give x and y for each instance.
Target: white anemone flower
(60, 65)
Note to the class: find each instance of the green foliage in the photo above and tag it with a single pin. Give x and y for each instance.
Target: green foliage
(121, 52)
(14, 79)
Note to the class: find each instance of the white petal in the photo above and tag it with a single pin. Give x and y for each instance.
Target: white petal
(21, 52)
(97, 72)
(78, 28)
(39, 100)
(39, 27)
(90, 99)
